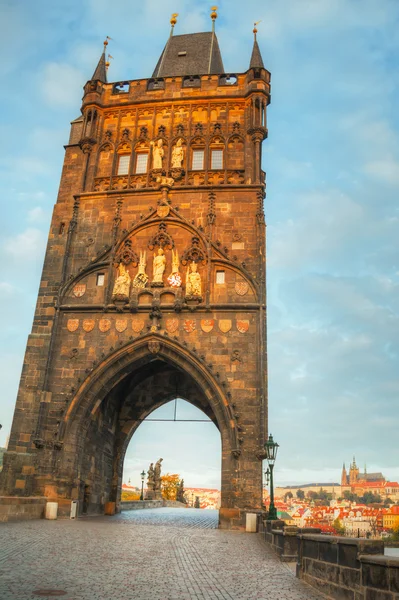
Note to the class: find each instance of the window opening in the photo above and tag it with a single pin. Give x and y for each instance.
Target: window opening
(141, 163)
(220, 277)
(198, 160)
(123, 164)
(217, 159)
(100, 279)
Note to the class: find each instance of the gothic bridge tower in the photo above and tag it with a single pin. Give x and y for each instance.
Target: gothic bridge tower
(153, 283)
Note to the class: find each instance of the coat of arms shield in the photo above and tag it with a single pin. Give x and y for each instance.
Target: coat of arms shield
(207, 325)
(120, 325)
(137, 325)
(104, 325)
(88, 325)
(72, 324)
(224, 325)
(79, 290)
(172, 325)
(189, 325)
(242, 325)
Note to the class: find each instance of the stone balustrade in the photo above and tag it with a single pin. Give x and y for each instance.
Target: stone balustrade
(341, 568)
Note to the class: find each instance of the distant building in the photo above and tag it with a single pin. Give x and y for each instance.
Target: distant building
(390, 517)
(354, 476)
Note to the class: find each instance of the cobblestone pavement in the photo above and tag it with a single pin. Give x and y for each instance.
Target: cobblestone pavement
(161, 554)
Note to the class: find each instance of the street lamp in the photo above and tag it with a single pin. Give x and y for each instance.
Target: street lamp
(271, 448)
(142, 484)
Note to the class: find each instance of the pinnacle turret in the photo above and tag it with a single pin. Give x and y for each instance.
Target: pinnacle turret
(100, 74)
(256, 61)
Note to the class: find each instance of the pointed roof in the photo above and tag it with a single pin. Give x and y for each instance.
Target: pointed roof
(256, 57)
(190, 54)
(100, 74)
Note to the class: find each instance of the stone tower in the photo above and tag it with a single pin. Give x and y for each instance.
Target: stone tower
(344, 476)
(153, 285)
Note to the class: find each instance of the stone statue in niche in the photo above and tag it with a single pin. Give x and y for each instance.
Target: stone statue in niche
(157, 155)
(141, 278)
(150, 482)
(159, 264)
(157, 480)
(193, 282)
(121, 289)
(174, 279)
(177, 155)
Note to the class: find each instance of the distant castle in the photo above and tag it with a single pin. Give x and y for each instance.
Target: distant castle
(354, 476)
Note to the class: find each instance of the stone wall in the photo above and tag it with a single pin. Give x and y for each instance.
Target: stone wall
(348, 568)
(13, 508)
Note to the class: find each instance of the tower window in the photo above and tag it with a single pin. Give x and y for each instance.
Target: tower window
(198, 160)
(123, 164)
(217, 159)
(220, 277)
(100, 279)
(141, 163)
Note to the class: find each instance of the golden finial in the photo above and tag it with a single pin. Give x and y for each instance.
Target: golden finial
(255, 31)
(173, 21)
(106, 42)
(108, 63)
(214, 16)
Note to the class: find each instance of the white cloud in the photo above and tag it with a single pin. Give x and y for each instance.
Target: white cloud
(62, 85)
(386, 170)
(36, 215)
(28, 245)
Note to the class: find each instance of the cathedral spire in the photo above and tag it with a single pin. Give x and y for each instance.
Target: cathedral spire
(256, 57)
(100, 74)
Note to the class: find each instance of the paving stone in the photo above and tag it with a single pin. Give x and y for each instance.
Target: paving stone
(160, 554)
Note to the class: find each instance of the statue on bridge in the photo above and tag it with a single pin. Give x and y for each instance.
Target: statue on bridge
(157, 480)
(150, 495)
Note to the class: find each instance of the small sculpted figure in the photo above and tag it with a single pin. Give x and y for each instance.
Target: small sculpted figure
(193, 281)
(159, 265)
(141, 278)
(177, 155)
(174, 279)
(122, 283)
(157, 154)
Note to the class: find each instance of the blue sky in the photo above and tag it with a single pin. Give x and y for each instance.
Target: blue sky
(332, 163)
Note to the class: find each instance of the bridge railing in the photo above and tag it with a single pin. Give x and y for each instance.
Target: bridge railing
(339, 567)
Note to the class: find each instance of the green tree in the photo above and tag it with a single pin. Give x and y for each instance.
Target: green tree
(351, 496)
(388, 502)
(312, 495)
(288, 495)
(338, 526)
(197, 502)
(370, 498)
(300, 494)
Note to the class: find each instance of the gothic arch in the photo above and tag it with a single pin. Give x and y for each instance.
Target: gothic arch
(128, 359)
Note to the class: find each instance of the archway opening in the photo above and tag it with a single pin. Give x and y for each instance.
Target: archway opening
(190, 445)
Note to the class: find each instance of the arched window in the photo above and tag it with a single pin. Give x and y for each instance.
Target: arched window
(123, 164)
(141, 162)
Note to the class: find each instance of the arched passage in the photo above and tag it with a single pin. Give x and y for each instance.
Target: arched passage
(114, 399)
(189, 443)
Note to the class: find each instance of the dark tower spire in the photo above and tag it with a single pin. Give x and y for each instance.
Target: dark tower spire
(100, 74)
(256, 57)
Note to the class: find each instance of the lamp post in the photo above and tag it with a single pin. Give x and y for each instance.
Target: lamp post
(271, 448)
(142, 484)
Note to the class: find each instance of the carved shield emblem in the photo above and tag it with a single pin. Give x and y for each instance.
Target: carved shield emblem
(154, 346)
(72, 324)
(120, 325)
(88, 324)
(224, 325)
(79, 290)
(104, 325)
(207, 325)
(137, 325)
(241, 287)
(242, 325)
(189, 325)
(163, 211)
(172, 325)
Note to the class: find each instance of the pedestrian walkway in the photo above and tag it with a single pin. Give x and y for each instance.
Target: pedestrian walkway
(160, 554)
